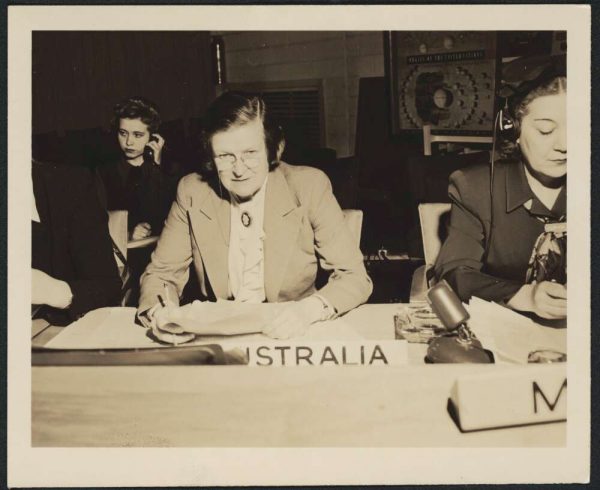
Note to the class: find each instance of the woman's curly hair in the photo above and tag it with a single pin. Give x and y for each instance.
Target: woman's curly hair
(519, 108)
(137, 108)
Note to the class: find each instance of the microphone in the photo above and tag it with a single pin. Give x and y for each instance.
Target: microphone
(459, 344)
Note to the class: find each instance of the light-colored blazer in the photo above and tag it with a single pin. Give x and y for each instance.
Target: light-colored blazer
(303, 224)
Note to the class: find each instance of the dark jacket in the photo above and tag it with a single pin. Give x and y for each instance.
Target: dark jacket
(462, 261)
(77, 247)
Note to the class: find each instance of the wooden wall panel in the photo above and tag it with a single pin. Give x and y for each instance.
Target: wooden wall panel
(79, 76)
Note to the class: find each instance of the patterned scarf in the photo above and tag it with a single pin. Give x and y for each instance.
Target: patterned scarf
(548, 260)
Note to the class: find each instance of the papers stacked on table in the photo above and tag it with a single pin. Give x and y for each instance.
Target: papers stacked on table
(511, 335)
(222, 323)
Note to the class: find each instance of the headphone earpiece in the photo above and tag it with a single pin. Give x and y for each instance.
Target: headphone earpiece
(508, 125)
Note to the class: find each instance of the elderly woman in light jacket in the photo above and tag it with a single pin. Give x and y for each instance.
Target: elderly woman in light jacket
(255, 228)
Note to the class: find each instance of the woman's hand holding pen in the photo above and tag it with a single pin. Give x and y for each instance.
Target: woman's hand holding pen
(160, 317)
(165, 330)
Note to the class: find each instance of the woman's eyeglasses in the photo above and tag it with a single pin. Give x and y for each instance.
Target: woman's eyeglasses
(225, 161)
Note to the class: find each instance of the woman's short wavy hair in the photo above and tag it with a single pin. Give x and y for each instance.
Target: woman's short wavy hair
(519, 108)
(556, 85)
(137, 108)
(236, 109)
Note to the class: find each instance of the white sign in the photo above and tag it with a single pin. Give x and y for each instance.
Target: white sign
(526, 395)
(325, 353)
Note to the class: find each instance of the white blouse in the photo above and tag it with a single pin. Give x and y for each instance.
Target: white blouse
(246, 248)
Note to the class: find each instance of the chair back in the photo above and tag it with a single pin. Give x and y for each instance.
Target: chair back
(354, 219)
(430, 216)
(117, 228)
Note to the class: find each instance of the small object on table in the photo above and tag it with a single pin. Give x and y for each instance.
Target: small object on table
(417, 323)
(459, 344)
(546, 356)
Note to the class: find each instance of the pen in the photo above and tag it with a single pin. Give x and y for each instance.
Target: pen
(166, 290)
(162, 302)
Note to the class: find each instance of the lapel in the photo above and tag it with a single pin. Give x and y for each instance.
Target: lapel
(209, 220)
(282, 221)
(517, 188)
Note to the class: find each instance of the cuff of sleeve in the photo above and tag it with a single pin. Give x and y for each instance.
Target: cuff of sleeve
(89, 294)
(80, 300)
(329, 311)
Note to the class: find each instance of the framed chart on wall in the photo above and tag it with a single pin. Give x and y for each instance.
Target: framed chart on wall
(444, 79)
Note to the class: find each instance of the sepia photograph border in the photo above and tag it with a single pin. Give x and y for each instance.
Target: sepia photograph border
(62, 467)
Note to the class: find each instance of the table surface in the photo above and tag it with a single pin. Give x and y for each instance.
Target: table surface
(238, 406)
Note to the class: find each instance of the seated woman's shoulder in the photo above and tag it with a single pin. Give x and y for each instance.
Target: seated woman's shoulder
(194, 183)
(479, 174)
(193, 178)
(303, 173)
(473, 174)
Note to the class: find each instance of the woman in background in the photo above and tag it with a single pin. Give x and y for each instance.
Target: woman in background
(141, 181)
(513, 250)
(73, 268)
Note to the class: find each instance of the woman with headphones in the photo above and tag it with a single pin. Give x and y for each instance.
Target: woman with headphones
(509, 245)
(255, 228)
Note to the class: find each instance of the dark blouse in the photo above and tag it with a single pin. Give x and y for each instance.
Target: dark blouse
(462, 260)
(146, 192)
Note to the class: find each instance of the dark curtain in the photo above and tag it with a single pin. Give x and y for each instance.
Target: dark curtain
(77, 77)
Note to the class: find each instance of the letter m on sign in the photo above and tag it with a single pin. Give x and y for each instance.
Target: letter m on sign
(537, 393)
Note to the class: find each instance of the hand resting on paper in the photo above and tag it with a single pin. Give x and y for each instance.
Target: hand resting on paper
(294, 318)
(177, 325)
(546, 299)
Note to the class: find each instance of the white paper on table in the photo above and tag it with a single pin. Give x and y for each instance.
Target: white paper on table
(115, 328)
(337, 329)
(510, 334)
(104, 328)
(221, 318)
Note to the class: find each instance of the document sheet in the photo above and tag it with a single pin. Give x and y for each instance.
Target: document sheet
(510, 335)
(115, 328)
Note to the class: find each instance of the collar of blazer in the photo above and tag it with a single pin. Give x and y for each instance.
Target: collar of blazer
(282, 221)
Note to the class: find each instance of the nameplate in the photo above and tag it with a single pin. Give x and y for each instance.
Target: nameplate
(521, 396)
(326, 353)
